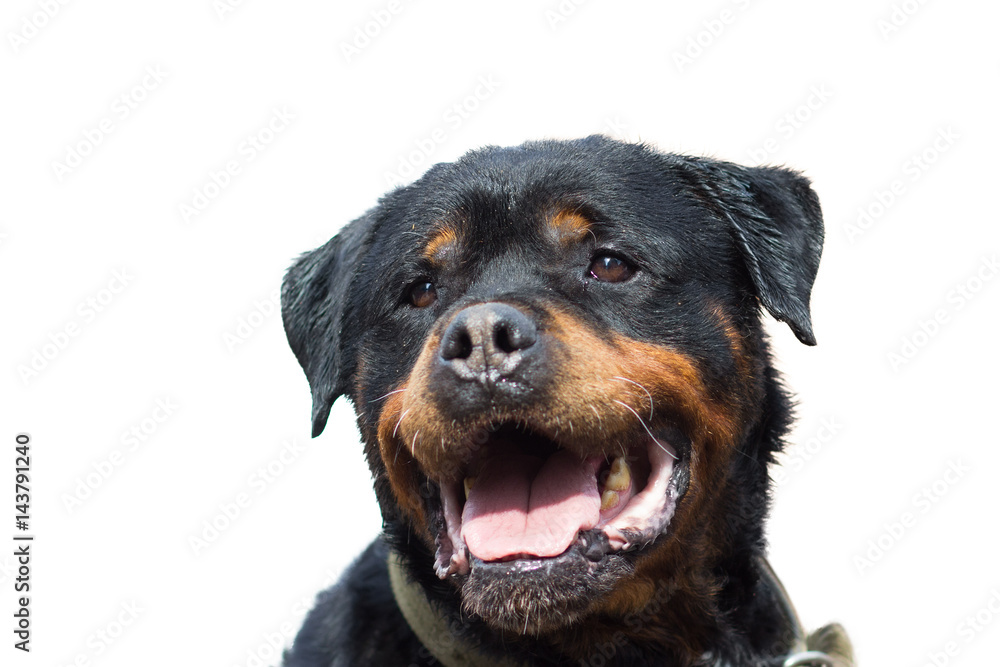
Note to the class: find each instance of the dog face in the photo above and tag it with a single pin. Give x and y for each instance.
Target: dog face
(556, 359)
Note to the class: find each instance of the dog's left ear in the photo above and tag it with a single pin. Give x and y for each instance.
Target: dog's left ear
(777, 224)
(313, 298)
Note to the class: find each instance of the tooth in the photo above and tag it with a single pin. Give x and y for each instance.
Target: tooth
(620, 476)
(469, 481)
(609, 499)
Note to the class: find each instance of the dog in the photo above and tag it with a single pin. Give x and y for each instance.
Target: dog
(566, 398)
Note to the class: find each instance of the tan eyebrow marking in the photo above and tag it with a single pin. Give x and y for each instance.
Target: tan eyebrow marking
(440, 245)
(569, 226)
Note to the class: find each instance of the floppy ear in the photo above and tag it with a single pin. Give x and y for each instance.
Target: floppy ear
(776, 221)
(313, 297)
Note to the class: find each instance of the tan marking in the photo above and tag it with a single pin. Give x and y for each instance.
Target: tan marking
(588, 393)
(444, 242)
(569, 226)
(400, 466)
(737, 345)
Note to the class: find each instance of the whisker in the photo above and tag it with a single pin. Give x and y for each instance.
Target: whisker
(658, 443)
(618, 377)
(740, 451)
(398, 391)
(405, 412)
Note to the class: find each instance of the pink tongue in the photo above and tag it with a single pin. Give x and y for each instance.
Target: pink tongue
(521, 505)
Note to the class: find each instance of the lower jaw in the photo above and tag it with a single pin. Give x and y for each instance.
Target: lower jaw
(536, 596)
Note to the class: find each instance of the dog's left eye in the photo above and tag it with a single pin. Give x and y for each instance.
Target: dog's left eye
(422, 293)
(610, 269)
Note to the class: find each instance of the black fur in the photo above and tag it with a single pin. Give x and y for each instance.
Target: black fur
(701, 232)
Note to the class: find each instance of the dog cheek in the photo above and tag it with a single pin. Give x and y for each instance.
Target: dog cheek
(399, 466)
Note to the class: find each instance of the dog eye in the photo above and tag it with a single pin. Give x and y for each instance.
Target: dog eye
(422, 294)
(610, 269)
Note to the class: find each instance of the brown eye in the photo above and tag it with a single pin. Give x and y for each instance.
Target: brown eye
(610, 269)
(423, 294)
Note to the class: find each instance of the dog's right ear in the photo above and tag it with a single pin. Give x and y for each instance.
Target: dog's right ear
(313, 298)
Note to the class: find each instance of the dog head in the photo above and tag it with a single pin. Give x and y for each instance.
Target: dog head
(557, 363)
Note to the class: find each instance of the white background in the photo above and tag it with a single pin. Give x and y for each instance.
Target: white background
(865, 97)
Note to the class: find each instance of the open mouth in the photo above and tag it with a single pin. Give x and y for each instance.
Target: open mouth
(522, 499)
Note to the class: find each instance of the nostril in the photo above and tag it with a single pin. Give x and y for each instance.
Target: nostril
(502, 340)
(483, 334)
(509, 339)
(457, 345)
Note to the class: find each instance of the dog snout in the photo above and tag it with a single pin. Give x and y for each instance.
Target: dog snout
(489, 343)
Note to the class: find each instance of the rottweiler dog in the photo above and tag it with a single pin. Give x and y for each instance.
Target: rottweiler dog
(566, 399)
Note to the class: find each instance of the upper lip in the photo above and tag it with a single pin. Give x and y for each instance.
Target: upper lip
(640, 520)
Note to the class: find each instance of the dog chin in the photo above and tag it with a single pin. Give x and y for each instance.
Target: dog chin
(535, 596)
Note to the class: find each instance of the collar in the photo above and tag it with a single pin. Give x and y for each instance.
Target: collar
(431, 628)
(827, 647)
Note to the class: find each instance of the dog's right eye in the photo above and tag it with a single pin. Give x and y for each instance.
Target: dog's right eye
(422, 293)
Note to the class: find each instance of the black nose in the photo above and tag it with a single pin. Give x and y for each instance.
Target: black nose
(488, 342)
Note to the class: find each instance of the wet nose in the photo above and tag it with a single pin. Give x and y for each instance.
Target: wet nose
(487, 342)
